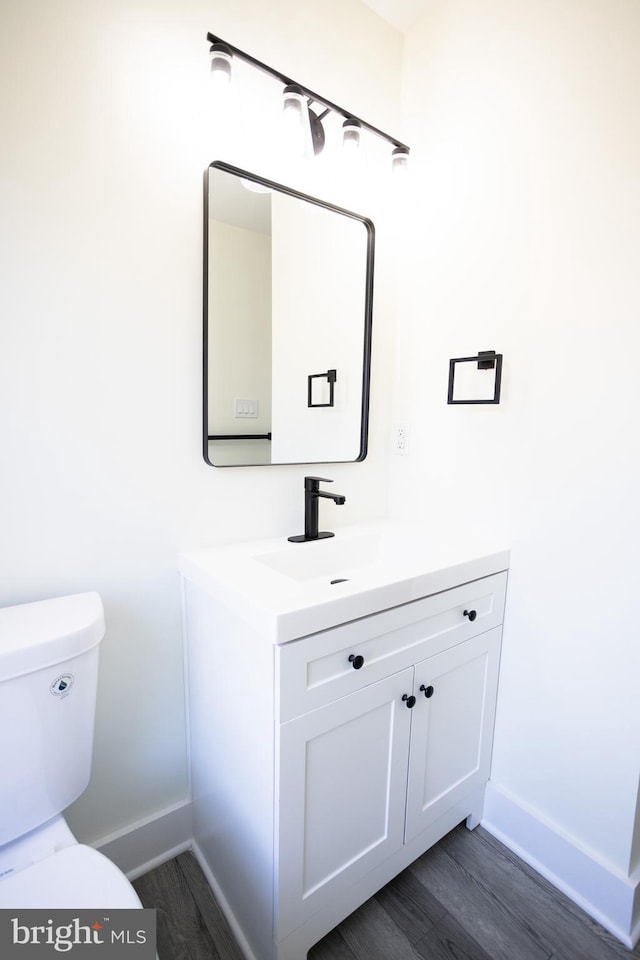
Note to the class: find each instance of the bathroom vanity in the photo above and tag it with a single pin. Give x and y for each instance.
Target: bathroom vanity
(342, 698)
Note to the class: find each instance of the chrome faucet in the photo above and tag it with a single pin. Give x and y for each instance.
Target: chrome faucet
(312, 494)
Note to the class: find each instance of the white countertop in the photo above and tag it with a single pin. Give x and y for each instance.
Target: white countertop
(284, 591)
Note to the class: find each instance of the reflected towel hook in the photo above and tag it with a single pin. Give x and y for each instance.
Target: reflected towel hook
(331, 377)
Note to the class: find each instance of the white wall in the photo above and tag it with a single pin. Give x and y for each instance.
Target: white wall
(105, 136)
(524, 120)
(239, 338)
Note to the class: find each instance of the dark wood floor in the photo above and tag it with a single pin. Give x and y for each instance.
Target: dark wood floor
(468, 898)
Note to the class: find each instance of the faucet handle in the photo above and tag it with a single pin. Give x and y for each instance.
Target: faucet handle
(311, 483)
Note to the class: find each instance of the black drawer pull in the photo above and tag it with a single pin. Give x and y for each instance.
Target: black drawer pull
(428, 691)
(472, 614)
(356, 661)
(409, 700)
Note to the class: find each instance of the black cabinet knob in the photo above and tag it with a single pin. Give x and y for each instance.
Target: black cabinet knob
(472, 614)
(356, 661)
(428, 691)
(409, 700)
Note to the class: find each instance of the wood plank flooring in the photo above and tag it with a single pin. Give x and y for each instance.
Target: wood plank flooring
(468, 898)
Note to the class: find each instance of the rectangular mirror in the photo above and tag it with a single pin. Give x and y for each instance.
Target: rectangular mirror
(288, 289)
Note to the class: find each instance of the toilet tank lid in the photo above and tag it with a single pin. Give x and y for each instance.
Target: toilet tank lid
(47, 632)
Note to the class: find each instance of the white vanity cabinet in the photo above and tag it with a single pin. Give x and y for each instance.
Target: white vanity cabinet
(324, 765)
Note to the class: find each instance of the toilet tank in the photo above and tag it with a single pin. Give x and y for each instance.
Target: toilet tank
(48, 678)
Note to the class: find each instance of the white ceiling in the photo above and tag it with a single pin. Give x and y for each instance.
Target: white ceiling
(401, 14)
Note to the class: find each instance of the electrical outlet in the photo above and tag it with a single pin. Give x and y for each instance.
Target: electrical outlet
(400, 439)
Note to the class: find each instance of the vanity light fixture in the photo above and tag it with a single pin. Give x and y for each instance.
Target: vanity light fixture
(297, 103)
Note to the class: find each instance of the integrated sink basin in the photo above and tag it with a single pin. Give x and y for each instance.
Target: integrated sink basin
(340, 558)
(288, 590)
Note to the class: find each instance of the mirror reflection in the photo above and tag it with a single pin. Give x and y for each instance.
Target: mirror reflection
(287, 324)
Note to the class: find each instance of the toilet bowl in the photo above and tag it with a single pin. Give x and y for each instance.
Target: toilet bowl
(77, 878)
(48, 677)
(49, 868)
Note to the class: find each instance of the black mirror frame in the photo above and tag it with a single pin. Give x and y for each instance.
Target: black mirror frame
(368, 307)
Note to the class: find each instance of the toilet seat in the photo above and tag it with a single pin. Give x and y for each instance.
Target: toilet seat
(75, 878)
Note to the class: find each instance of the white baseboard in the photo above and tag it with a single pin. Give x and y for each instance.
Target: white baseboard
(607, 895)
(223, 903)
(147, 843)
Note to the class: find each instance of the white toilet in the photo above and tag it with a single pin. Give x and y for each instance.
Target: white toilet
(48, 675)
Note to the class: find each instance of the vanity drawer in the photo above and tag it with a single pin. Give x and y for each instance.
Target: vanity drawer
(325, 666)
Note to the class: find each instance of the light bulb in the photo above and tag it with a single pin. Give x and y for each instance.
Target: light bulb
(400, 160)
(220, 64)
(294, 104)
(297, 130)
(351, 134)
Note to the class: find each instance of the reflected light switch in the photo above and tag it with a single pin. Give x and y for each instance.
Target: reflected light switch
(245, 408)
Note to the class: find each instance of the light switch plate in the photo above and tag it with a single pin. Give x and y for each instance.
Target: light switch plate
(245, 408)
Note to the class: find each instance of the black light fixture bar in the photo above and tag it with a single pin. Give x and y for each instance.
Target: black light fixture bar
(305, 90)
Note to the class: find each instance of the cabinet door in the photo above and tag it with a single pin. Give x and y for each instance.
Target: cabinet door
(342, 791)
(452, 730)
